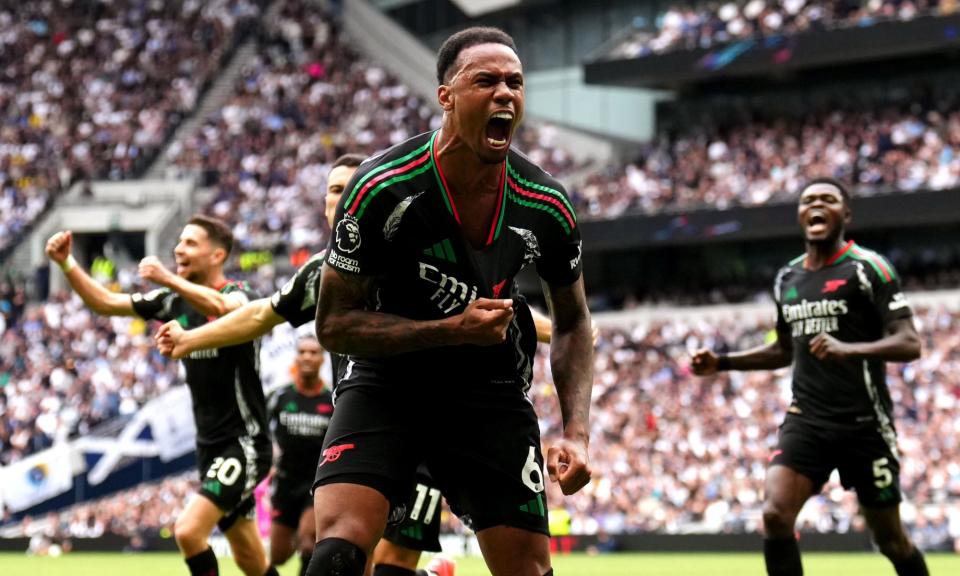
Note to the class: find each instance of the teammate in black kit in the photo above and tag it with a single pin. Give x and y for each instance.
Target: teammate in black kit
(418, 290)
(299, 414)
(295, 303)
(841, 315)
(233, 449)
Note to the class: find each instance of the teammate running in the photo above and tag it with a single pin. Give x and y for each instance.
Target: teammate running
(233, 450)
(400, 549)
(419, 291)
(299, 413)
(840, 316)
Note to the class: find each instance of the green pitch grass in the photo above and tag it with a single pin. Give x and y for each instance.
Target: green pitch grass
(693, 564)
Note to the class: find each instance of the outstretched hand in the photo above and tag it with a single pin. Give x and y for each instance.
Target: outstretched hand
(569, 465)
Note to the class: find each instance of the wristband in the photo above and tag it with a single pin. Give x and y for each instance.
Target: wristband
(69, 264)
(723, 362)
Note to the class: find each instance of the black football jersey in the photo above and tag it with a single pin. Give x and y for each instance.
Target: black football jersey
(225, 383)
(397, 223)
(299, 424)
(296, 302)
(853, 298)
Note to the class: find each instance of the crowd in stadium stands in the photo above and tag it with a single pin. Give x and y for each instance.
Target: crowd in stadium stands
(64, 370)
(756, 161)
(305, 99)
(146, 511)
(670, 452)
(90, 90)
(706, 24)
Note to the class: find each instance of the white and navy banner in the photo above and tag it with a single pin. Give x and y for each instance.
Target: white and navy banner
(36, 478)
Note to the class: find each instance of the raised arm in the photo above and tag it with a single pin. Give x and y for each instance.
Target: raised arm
(571, 361)
(203, 299)
(346, 326)
(242, 325)
(94, 295)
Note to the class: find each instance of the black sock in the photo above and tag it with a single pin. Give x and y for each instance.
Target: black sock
(271, 571)
(336, 557)
(912, 565)
(304, 562)
(203, 564)
(391, 570)
(782, 556)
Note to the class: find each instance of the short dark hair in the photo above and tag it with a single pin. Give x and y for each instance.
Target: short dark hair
(460, 41)
(218, 230)
(844, 191)
(349, 160)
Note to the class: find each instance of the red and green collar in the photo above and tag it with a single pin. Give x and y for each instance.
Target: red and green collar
(497, 222)
(839, 255)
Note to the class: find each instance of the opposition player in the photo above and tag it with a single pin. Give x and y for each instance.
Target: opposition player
(299, 413)
(400, 549)
(840, 316)
(233, 450)
(419, 291)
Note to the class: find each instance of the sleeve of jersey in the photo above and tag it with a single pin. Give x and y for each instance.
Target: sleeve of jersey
(296, 302)
(782, 326)
(559, 263)
(155, 304)
(243, 288)
(888, 294)
(357, 245)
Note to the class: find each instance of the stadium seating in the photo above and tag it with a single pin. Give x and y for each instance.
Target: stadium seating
(684, 26)
(884, 148)
(91, 90)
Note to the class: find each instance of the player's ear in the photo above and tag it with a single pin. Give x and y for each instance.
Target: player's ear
(219, 256)
(445, 97)
(847, 214)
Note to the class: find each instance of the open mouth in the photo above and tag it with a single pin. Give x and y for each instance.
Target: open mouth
(498, 129)
(817, 222)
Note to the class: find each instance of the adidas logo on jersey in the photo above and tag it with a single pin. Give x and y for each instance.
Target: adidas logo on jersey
(442, 250)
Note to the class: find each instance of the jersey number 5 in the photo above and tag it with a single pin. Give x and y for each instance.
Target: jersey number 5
(881, 473)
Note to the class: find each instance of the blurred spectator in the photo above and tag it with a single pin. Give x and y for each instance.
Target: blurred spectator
(708, 24)
(93, 89)
(748, 161)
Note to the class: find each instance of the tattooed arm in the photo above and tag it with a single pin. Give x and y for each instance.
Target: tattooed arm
(346, 326)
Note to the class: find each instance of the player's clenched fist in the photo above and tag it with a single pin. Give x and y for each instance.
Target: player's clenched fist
(153, 270)
(568, 465)
(485, 321)
(59, 246)
(704, 362)
(168, 339)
